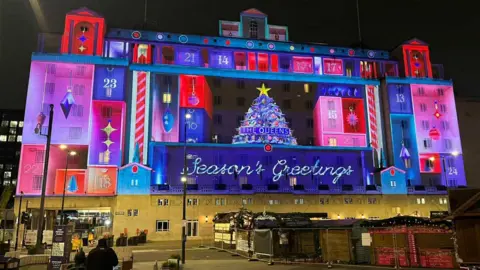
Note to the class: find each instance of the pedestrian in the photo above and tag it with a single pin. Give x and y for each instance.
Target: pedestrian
(80, 261)
(102, 257)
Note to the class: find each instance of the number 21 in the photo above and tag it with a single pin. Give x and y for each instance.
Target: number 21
(190, 57)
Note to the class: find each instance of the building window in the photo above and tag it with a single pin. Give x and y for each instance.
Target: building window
(217, 100)
(220, 201)
(162, 202)
(217, 119)
(243, 180)
(393, 183)
(443, 108)
(240, 84)
(309, 104)
(445, 125)
(253, 29)
(286, 87)
(443, 201)
(12, 131)
(193, 201)
(425, 125)
(246, 201)
(3, 138)
(440, 91)
(423, 107)
(272, 202)
(163, 225)
(447, 143)
(332, 141)
(420, 200)
(134, 182)
(4, 123)
(372, 200)
(20, 124)
(7, 175)
(324, 201)
(192, 228)
(19, 138)
(309, 123)
(287, 104)
(13, 124)
(348, 200)
(240, 101)
(8, 167)
(421, 91)
(299, 201)
(293, 181)
(12, 138)
(427, 143)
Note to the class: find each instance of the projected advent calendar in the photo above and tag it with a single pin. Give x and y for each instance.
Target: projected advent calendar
(188, 56)
(332, 66)
(221, 59)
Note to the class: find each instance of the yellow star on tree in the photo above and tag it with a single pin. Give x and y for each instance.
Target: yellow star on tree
(263, 90)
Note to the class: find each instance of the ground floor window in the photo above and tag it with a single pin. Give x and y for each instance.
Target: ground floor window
(192, 228)
(163, 225)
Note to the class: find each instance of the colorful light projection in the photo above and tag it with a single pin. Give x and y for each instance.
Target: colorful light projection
(134, 179)
(31, 169)
(58, 158)
(374, 118)
(264, 122)
(102, 180)
(393, 181)
(140, 115)
(69, 88)
(340, 121)
(109, 83)
(195, 93)
(107, 140)
(333, 66)
(165, 106)
(75, 184)
(400, 99)
(435, 119)
(228, 164)
(198, 125)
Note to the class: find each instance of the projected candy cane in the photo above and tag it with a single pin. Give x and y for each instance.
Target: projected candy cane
(372, 116)
(140, 112)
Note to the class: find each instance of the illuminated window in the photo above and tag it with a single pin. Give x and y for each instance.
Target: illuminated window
(420, 200)
(134, 182)
(7, 175)
(246, 201)
(3, 138)
(19, 138)
(443, 200)
(423, 107)
(299, 201)
(332, 141)
(272, 202)
(8, 167)
(220, 201)
(20, 124)
(293, 181)
(393, 183)
(306, 88)
(12, 138)
(191, 202)
(4, 123)
(163, 226)
(167, 98)
(348, 200)
(372, 200)
(162, 202)
(396, 210)
(13, 124)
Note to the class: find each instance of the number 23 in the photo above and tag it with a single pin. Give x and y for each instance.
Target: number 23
(109, 83)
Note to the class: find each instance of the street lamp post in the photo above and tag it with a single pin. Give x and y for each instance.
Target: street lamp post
(18, 219)
(45, 173)
(69, 153)
(184, 180)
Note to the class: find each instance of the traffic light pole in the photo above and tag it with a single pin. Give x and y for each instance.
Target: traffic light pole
(18, 219)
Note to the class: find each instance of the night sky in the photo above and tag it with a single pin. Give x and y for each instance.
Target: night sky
(452, 28)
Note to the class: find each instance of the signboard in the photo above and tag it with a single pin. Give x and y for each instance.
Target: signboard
(438, 214)
(221, 59)
(109, 83)
(102, 180)
(264, 131)
(332, 66)
(61, 246)
(188, 56)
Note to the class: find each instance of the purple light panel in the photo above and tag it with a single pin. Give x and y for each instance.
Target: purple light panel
(49, 84)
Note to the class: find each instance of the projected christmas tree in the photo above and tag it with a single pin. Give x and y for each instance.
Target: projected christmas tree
(264, 123)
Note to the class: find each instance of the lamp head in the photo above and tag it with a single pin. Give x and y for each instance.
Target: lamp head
(184, 179)
(188, 116)
(63, 146)
(72, 153)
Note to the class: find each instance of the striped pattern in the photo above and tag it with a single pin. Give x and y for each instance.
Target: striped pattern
(140, 112)
(372, 116)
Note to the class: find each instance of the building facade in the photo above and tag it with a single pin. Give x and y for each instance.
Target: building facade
(248, 118)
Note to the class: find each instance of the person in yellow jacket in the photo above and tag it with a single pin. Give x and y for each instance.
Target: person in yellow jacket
(90, 239)
(76, 242)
